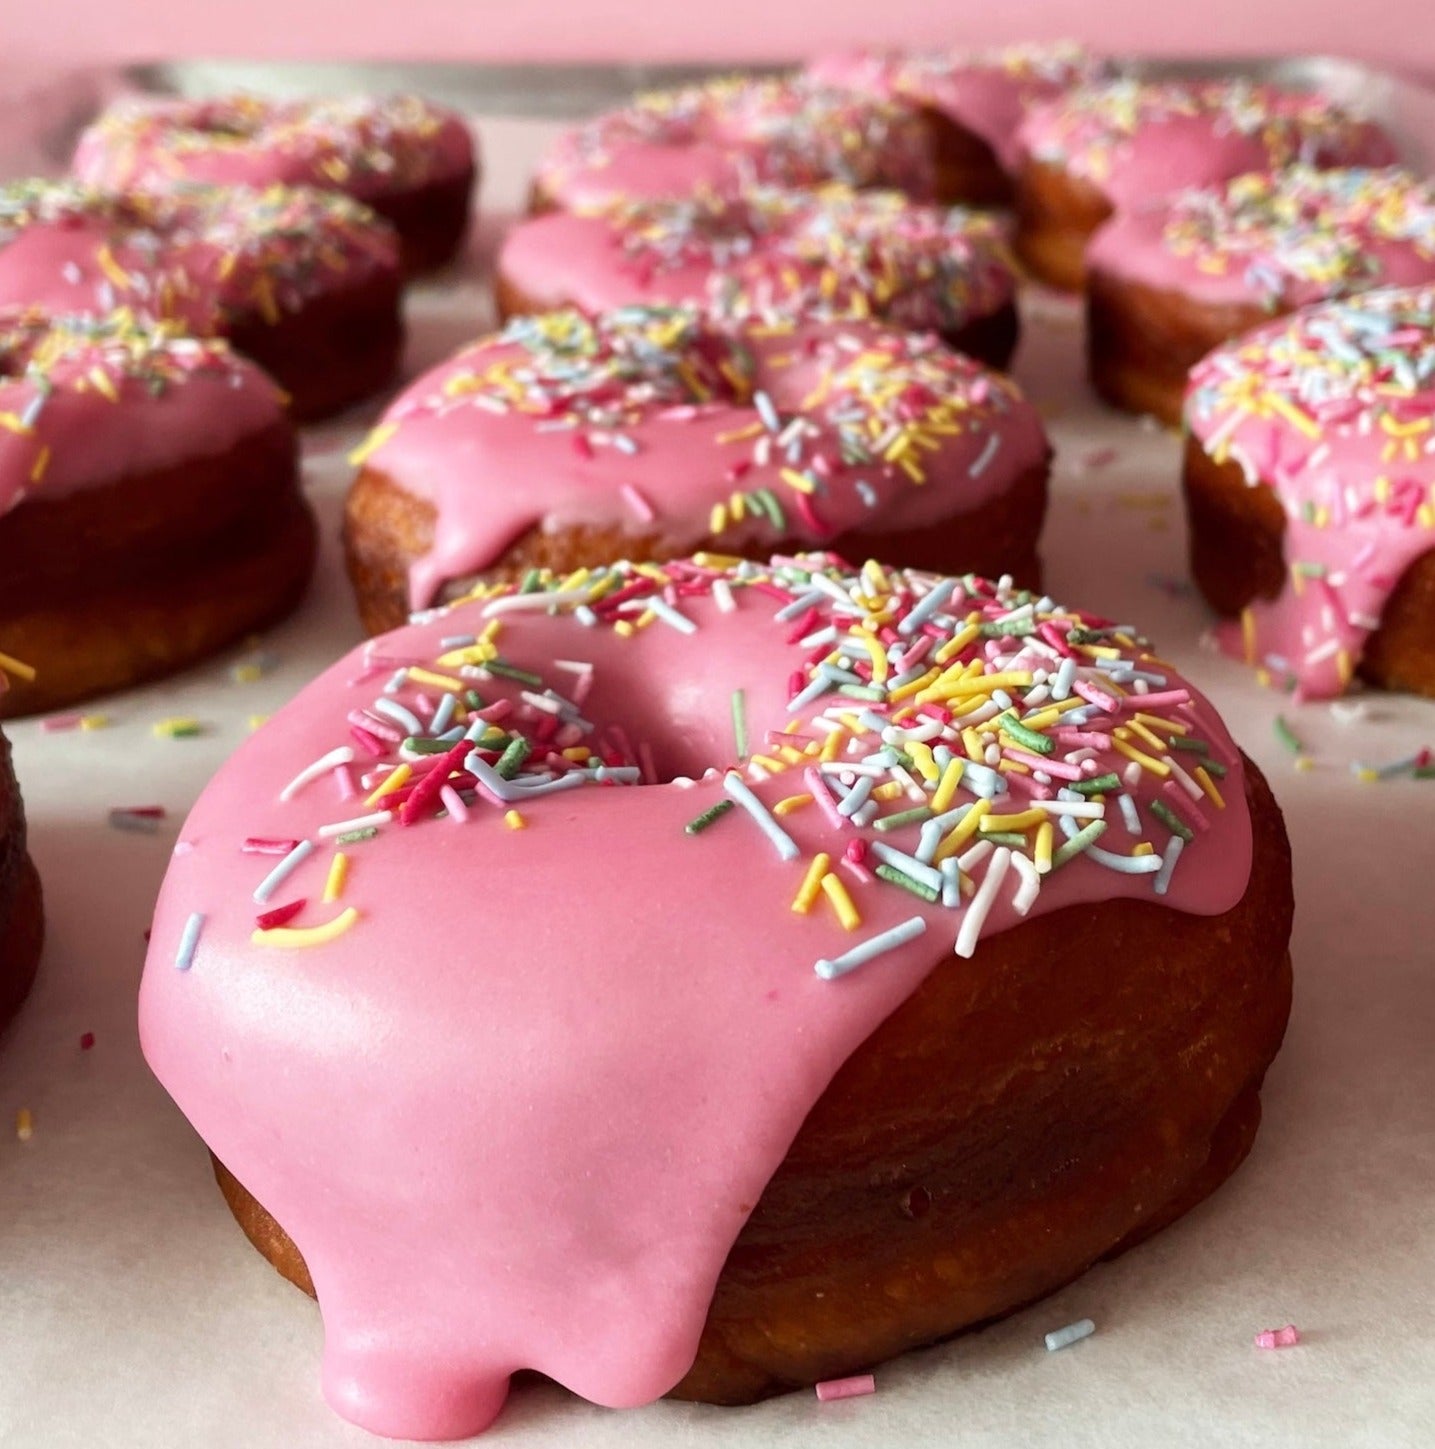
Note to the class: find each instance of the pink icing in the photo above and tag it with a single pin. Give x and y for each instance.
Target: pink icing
(562, 421)
(580, 1049)
(87, 403)
(202, 259)
(833, 253)
(728, 135)
(368, 148)
(986, 92)
(1334, 409)
(1136, 140)
(1277, 241)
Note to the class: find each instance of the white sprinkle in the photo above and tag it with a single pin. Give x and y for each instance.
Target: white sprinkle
(1072, 1333)
(877, 945)
(737, 788)
(342, 756)
(188, 941)
(982, 902)
(359, 822)
(290, 862)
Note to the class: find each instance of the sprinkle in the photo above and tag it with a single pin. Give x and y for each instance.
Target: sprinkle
(739, 722)
(87, 1040)
(188, 942)
(299, 936)
(1083, 840)
(898, 877)
(807, 892)
(785, 845)
(24, 1124)
(181, 727)
(341, 756)
(10, 665)
(1072, 1333)
(982, 902)
(514, 821)
(1286, 1337)
(871, 948)
(394, 780)
(280, 915)
(285, 868)
(851, 1388)
(338, 874)
(841, 902)
(699, 823)
(1172, 821)
(1287, 736)
(1169, 857)
(143, 820)
(261, 845)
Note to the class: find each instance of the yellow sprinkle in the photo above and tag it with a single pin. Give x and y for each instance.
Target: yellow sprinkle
(791, 755)
(288, 936)
(951, 778)
(832, 744)
(1042, 849)
(916, 686)
(1012, 767)
(16, 667)
(769, 763)
(972, 741)
(94, 721)
(338, 874)
(42, 461)
(1157, 722)
(1303, 763)
(1293, 415)
(797, 482)
(256, 721)
(177, 725)
(376, 440)
(1248, 635)
(717, 519)
(1154, 740)
(1147, 762)
(922, 757)
(957, 643)
(836, 893)
(623, 628)
(514, 821)
(879, 660)
(1209, 786)
(1022, 820)
(116, 274)
(435, 681)
(1366, 775)
(1144, 848)
(479, 653)
(791, 803)
(892, 790)
(962, 831)
(24, 1124)
(391, 782)
(811, 883)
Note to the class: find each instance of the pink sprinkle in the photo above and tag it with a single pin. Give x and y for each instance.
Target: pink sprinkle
(853, 1388)
(856, 851)
(1157, 701)
(453, 803)
(495, 711)
(1286, 1337)
(1059, 769)
(58, 722)
(818, 786)
(145, 812)
(344, 780)
(280, 915)
(638, 503)
(1099, 458)
(1098, 697)
(365, 740)
(645, 759)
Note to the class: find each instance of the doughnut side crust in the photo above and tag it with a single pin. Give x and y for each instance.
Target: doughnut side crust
(1085, 1079)
(1057, 212)
(22, 925)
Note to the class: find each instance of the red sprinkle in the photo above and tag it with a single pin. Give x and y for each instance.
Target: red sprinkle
(258, 845)
(87, 1040)
(280, 915)
(1286, 1337)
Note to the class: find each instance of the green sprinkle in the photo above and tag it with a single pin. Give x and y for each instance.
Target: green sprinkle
(510, 762)
(350, 836)
(416, 746)
(1028, 739)
(1097, 785)
(1185, 742)
(512, 671)
(1017, 629)
(1310, 570)
(1214, 768)
(766, 499)
(1078, 842)
(1004, 837)
(700, 823)
(1424, 772)
(473, 699)
(901, 878)
(1287, 736)
(904, 817)
(530, 582)
(739, 722)
(868, 692)
(493, 739)
(1172, 821)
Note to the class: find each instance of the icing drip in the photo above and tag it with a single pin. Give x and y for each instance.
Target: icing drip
(837, 253)
(986, 92)
(731, 134)
(89, 401)
(1279, 241)
(1334, 409)
(544, 872)
(203, 256)
(750, 433)
(1140, 139)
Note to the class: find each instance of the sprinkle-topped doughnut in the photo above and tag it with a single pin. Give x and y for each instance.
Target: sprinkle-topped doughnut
(400, 155)
(731, 134)
(787, 793)
(1333, 410)
(294, 277)
(667, 430)
(1135, 140)
(986, 92)
(835, 253)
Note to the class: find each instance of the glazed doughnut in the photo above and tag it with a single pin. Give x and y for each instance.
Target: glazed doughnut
(412, 162)
(729, 135)
(567, 441)
(973, 99)
(1167, 283)
(842, 1035)
(834, 253)
(22, 921)
(1310, 465)
(1112, 147)
(306, 283)
(150, 511)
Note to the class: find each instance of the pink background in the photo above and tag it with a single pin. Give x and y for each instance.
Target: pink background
(71, 31)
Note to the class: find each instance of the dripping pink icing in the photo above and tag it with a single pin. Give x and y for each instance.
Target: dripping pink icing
(201, 259)
(1279, 241)
(85, 403)
(1136, 140)
(583, 1047)
(832, 253)
(728, 135)
(501, 441)
(986, 92)
(365, 147)
(1334, 409)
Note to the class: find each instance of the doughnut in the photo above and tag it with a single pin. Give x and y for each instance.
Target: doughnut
(918, 1052)
(150, 511)
(412, 162)
(973, 99)
(1310, 490)
(1166, 284)
(306, 283)
(567, 441)
(1119, 145)
(728, 135)
(831, 253)
(22, 922)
